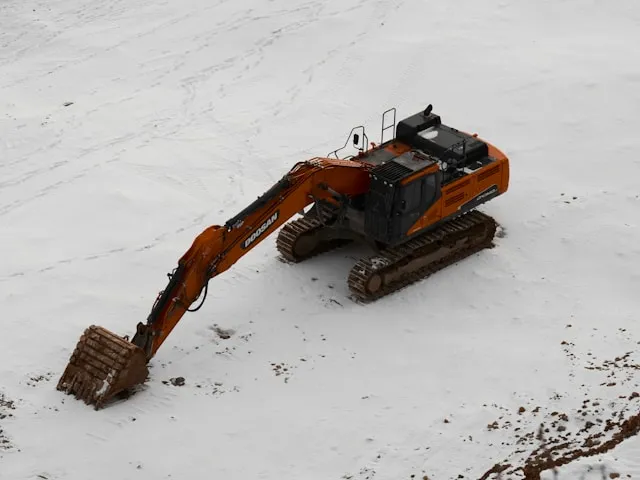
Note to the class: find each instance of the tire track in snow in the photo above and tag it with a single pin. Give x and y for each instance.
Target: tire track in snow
(157, 240)
(44, 191)
(94, 54)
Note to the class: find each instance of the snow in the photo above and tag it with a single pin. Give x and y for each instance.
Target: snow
(179, 114)
(105, 384)
(378, 262)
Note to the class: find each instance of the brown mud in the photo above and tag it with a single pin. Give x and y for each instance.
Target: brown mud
(6, 406)
(597, 427)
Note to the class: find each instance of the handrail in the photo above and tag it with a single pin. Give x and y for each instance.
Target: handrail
(365, 138)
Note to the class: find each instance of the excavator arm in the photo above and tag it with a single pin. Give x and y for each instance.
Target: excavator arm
(104, 364)
(217, 248)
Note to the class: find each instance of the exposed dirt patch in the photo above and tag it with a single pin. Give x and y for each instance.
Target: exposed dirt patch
(216, 389)
(368, 471)
(594, 427)
(549, 457)
(6, 403)
(282, 369)
(619, 370)
(223, 333)
(34, 380)
(562, 438)
(220, 389)
(6, 407)
(175, 381)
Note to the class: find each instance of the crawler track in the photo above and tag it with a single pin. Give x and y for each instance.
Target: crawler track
(310, 235)
(394, 268)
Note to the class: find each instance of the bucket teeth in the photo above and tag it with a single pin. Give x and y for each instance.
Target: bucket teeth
(101, 366)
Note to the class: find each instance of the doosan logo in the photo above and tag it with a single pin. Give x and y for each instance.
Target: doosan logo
(483, 196)
(263, 228)
(491, 190)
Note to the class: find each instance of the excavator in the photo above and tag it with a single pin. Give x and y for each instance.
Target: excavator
(412, 198)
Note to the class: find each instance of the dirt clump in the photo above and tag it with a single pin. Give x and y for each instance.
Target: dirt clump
(6, 406)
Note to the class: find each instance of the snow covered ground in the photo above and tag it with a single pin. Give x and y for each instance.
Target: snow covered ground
(128, 127)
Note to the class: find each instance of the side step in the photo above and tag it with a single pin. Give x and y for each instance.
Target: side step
(397, 267)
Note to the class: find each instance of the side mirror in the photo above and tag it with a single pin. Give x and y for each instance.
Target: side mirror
(356, 139)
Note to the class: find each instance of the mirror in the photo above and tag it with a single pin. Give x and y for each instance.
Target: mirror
(356, 139)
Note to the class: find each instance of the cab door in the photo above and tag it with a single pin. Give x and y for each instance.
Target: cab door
(416, 200)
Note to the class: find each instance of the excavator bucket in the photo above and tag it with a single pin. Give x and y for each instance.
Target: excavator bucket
(102, 366)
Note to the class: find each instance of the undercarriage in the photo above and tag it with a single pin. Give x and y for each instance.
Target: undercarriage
(390, 268)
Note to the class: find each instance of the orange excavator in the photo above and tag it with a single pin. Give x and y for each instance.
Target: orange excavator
(412, 198)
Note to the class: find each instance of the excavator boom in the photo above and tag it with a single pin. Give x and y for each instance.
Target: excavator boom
(104, 364)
